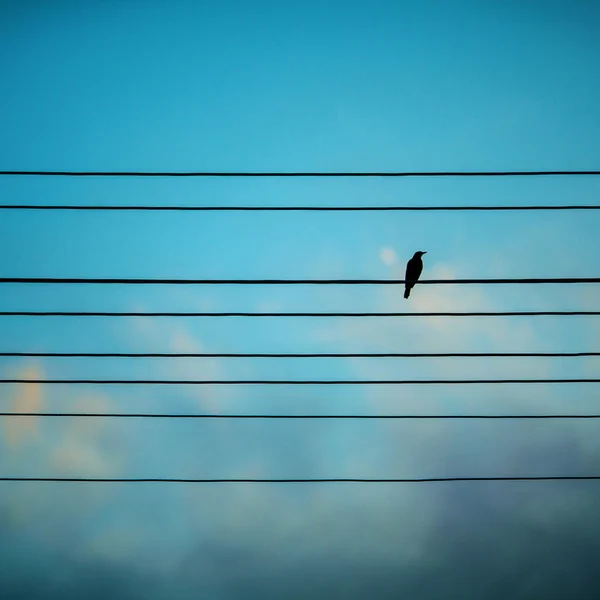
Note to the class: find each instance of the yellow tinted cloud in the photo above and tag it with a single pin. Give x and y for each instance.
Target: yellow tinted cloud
(28, 398)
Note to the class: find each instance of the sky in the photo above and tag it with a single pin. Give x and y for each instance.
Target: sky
(299, 86)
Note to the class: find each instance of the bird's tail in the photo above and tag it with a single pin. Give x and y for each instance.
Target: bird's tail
(406, 292)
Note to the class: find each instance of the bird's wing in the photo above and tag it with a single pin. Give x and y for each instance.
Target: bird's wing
(418, 270)
(411, 271)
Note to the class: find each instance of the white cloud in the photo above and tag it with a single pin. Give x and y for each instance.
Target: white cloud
(181, 340)
(88, 446)
(388, 256)
(443, 335)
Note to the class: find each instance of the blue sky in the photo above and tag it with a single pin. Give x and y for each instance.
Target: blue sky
(294, 86)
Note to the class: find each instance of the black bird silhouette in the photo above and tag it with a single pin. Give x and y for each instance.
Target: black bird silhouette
(413, 272)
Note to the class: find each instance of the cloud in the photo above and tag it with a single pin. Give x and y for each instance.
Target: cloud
(74, 458)
(328, 541)
(331, 541)
(74, 445)
(88, 447)
(182, 342)
(28, 398)
(180, 339)
(388, 256)
(421, 334)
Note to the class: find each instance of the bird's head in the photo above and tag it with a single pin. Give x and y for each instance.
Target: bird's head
(419, 254)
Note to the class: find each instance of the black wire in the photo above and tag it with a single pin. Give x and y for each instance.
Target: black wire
(298, 173)
(145, 207)
(54, 313)
(328, 480)
(292, 381)
(236, 416)
(88, 280)
(297, 355)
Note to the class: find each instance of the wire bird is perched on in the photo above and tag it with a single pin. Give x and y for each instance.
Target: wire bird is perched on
(413, 272)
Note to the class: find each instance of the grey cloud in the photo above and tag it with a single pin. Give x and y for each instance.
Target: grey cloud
(482, 540)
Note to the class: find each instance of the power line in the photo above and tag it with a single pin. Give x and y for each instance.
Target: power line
(145, 207)
(299, 173)
(241, 416)
(327, 480)
(55, 313)
(292, 381)
(297, 354)
(144, 281)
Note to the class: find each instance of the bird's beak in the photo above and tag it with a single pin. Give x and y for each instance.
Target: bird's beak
(424, 252)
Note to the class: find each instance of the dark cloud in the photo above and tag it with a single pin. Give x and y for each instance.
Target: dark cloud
(71, 581)
(483, 544)
(485, 540)
(493, 540)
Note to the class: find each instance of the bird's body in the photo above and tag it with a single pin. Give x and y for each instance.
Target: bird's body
(414, 268)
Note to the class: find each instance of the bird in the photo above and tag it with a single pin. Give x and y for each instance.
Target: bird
(413, 272)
